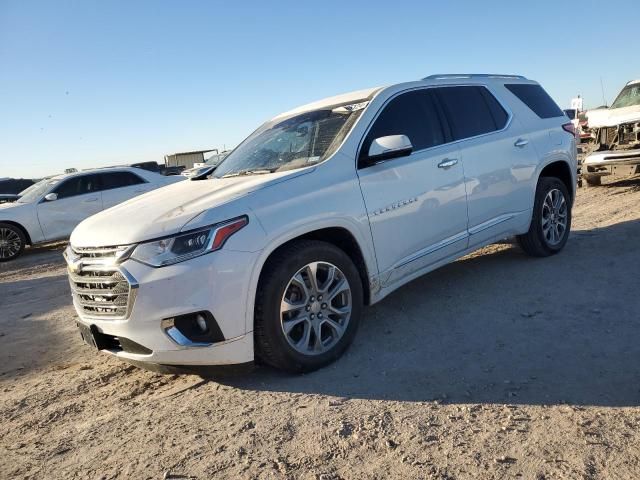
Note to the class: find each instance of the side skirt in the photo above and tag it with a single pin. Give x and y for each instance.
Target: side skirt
(387, 289)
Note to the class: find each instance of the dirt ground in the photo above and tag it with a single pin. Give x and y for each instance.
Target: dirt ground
(497, 366)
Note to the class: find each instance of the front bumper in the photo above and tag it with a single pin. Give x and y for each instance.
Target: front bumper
(614, 162)
(217, 283)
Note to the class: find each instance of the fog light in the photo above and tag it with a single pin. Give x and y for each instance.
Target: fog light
(197, 329)
(202, 323)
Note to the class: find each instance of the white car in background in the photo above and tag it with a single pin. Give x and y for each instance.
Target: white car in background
(50, 209)
(205, 168)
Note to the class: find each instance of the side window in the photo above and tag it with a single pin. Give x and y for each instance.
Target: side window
(534, 97)
(78, 186)
(413, 114)
(471, 111)
(500, 116)
(119, 179)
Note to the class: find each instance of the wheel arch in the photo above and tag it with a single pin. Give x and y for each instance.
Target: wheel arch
(561, 170)
(22, 229)
(340, 236)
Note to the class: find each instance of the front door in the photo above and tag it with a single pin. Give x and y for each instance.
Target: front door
(416, 204)
(79, 197)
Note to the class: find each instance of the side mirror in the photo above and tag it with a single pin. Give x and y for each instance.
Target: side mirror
(51, 197)
(392, 146)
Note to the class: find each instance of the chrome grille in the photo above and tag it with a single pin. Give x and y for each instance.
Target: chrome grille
(100, 287)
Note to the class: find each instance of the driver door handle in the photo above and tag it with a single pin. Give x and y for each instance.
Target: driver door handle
(448, 163)
(521, 142)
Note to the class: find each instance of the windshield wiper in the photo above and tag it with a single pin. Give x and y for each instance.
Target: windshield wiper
(248, 172)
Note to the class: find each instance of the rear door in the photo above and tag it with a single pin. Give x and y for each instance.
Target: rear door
(497, 157)
(416, 204)
(79, 197)
(120, 186)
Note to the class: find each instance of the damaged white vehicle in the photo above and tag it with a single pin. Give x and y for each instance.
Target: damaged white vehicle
(617, 135)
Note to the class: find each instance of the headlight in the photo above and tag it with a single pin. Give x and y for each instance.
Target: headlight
(183, 246)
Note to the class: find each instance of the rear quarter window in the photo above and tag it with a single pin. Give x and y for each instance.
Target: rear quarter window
(119, 179)
(471, 111)
(534, 97)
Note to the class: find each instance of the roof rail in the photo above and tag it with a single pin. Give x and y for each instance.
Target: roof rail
(472, 75)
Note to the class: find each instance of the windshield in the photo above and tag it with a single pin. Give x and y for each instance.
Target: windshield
(35, 191)
(630, 95)
(295, 142)
(214, 160)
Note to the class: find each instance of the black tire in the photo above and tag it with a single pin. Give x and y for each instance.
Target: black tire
(534, 241)
(15, 235)
(593, 181)
(271, 345)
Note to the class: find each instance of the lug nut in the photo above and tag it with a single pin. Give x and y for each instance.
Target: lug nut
(319, 315)
(312, 298)
(308, 308)
(324, 305)
(319, 298)
(312, 316)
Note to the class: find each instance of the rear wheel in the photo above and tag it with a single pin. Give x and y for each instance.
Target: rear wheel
(551, 222)
(308, 306)
(12, 242)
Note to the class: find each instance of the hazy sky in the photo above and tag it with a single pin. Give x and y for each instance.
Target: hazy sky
(88, 83)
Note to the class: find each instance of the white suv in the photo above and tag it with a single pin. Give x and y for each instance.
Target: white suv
(50, 209)
(321, 211)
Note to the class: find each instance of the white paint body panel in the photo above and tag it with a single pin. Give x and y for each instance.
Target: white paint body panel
(407, 215)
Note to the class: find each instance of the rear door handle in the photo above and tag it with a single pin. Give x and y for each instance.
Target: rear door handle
(89, 200)
(448, 163)
(521, 142)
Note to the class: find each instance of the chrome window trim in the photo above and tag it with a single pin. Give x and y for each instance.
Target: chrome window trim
(453, 142)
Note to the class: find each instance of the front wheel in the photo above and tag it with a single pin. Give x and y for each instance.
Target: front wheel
(308, 306)
(551, 221)
(12, 242)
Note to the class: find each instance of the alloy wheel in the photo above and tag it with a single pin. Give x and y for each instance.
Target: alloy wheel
(554, 217)
(10, 243)
(316, 308)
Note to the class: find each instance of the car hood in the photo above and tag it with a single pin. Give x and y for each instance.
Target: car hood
(166, 210)
(610, 117)
(10, 207)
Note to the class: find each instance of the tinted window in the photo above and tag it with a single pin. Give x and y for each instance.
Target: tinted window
(471, 111)
(119, 179)
(78, 186)
(499, 114)
(413, 114)
(534, 97)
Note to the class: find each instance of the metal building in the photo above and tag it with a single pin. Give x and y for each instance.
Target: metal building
(186, 159)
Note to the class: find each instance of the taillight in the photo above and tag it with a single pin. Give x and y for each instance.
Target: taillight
(569, 128)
